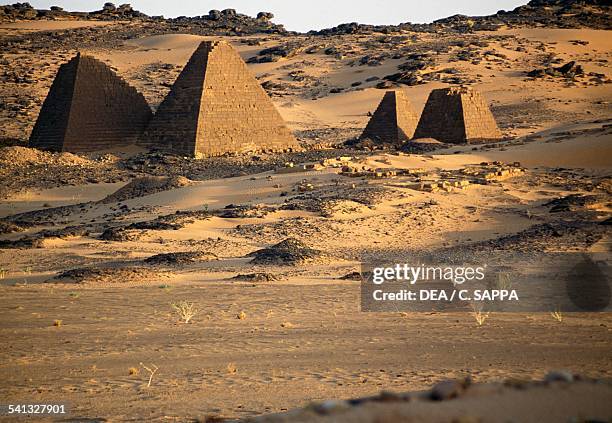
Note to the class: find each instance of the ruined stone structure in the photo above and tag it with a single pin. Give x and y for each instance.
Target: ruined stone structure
(216, 106)
(88, 108)
(394, 121)
(457, 115)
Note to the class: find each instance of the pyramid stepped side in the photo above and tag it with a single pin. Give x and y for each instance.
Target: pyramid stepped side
(457, 115)
(382, 126)
(407, 118)
(52, 122)
(106, 111)
(90, 108)
(442, 117)
(394, 120)
(215, 107)
(174, 126)
(236, 114)
(480, 124)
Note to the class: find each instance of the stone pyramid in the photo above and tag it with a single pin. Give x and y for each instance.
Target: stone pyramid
(88, 108)
(394, 121)
(216, 106)
(457, 115)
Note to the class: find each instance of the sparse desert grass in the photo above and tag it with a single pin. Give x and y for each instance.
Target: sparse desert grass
(557, 315)
(152, 370)
(479, 315)
(185, 310)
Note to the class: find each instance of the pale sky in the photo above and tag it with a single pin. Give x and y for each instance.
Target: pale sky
(305, 15)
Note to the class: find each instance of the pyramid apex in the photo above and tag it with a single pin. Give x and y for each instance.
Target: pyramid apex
(216, 106)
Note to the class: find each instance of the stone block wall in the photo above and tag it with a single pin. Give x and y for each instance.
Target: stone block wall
(175, 124)
(90, 108)
(407, 118)
(457, 115)
(479, 122)
(394, 120)
(217, 106)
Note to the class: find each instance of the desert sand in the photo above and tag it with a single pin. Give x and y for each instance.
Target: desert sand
(270, 338)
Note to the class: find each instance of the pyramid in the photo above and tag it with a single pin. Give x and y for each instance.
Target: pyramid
(88, 108)
(457, 115)
(394, 121)
(216, 106)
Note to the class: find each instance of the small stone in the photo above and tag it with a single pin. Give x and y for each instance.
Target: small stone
(448, 389)
(387, 396)
(559, 376)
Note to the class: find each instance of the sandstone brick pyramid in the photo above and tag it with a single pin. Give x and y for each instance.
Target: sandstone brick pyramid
(457, 115)
(394, 121)
(216, 106)
(88, 108)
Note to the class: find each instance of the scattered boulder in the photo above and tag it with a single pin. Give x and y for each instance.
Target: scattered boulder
(180, 258)
(406, 78)
(383, 85)
(214, 15)
(288, 252)
(109, 7)
(38, 240)
(574, 202)
(121, 234)
(265, 16)
(242, 211)
(353, 276)
(85, 275)
(169, 222)
(449, 389)
(8, 228)
(22, 243)
(559, 376)
(256, 277)
(275, 53)
(569, 70)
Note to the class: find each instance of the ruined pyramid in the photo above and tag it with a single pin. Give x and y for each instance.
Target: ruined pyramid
(216, 106)
(394, 121)
(88, 108)
(457, 115)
